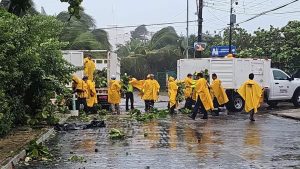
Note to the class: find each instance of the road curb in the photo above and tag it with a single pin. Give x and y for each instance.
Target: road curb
(286, 116)
(22, 154)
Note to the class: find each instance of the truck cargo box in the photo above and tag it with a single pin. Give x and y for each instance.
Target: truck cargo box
(232, 72)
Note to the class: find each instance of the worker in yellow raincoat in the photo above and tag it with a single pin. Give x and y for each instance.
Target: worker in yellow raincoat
(203, 96)
(138, 84)
(81, 89)
(114, 94)
(251, 92)
(172, 92)
(218, 94)
(89, 67)
(150, 92)
(156, 89)
(92, 97)
(188, 81)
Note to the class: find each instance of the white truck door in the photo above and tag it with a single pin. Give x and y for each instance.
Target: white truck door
(282, 86)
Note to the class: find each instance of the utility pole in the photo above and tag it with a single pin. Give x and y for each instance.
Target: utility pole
(232, 22)
(200, 20)
(187, 29)
(230, 27)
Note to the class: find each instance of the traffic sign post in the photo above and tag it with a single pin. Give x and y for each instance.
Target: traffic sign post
(221, 51)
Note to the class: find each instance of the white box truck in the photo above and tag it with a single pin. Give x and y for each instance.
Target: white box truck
(279, 86)
(111, 63)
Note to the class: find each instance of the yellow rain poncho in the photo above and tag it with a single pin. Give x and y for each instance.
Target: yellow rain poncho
(202, 91)
(89, 68)
(218, 91)
(85, 66)
(81, 87)
(155, 90)
(150, 90)
(172, 91)
(114, 95)
(137, 83)
(251, 92)
(188, 87)
(92, 94)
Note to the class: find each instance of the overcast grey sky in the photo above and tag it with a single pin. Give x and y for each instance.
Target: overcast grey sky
(215, 15)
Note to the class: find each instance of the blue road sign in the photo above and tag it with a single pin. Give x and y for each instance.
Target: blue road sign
(221, 51)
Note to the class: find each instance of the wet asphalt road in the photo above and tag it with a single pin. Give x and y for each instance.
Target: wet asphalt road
(227, 141)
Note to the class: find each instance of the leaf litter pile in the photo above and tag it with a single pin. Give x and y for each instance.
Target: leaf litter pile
(116, 134)
(145, 117)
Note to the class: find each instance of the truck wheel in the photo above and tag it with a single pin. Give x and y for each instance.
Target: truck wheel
(296, 99)
(238, 103)
(272, 103)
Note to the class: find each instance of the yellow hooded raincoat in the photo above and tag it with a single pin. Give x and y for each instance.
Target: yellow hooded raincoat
(202, 91)
(251, 92)
(172, 91)
(89, 68)
(150, 90)
(81, 87)
(92, 95)
(218, 91)
(137, 83)
(188, 87)
(114, 95)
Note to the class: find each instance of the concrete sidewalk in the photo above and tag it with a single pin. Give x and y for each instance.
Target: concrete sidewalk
(291, 113)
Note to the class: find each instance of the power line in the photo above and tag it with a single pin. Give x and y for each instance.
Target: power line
(265, 12)
(215, 16)
(154, 24)
(244, 13)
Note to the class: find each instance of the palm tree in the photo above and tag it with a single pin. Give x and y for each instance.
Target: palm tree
(19, 7)
(164, 37)
(81, 33)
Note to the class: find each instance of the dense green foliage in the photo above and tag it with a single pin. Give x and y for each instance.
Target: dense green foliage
(159, 54)
(140, 33)
(279, 44)
(81, 33)
(32, 67)
(19, 7)
(22, 7)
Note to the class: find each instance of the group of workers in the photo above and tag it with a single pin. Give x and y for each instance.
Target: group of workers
(209, 97)
(149, 92)
(198, 92)
(85, 87)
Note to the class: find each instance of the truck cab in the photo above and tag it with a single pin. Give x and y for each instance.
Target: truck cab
(283, 88)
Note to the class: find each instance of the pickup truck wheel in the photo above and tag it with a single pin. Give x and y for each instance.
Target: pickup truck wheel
(272, 103)
(238, 103)
(296, 99)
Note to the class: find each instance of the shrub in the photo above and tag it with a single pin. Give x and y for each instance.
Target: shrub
(32, 66)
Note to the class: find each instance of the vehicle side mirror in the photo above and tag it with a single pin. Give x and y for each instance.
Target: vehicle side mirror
(291, 78)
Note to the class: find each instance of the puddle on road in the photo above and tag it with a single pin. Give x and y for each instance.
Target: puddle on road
(175, 142)
(252, 142)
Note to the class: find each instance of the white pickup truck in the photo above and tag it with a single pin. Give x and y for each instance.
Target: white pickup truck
(111, 62)
(279, 86)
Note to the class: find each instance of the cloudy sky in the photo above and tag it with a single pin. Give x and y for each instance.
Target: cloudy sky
(108, 13)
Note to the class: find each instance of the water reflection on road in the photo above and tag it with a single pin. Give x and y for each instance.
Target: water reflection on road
(178, 142)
